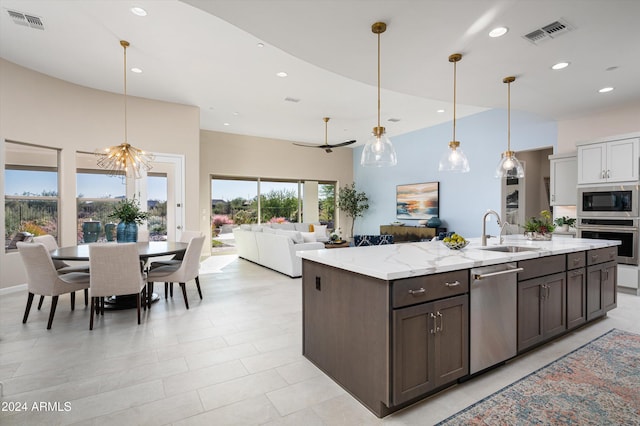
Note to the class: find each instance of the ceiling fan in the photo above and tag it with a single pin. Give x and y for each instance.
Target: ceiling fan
(327, 147)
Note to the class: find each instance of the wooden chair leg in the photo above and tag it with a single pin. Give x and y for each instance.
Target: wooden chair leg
(139, 296)
(28, 308)
(86, 297)
(184, 294)
(54, 303)
(93, 307)
(73, 300)
(198, 285)
(40, 302)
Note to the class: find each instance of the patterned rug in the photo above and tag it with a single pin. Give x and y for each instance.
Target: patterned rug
(596, 384)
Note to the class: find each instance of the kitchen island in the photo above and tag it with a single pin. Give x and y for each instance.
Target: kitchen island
(391, 324)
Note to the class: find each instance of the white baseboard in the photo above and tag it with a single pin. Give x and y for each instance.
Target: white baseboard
(13, 289)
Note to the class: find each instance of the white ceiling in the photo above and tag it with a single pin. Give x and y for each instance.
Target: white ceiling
(204, 53)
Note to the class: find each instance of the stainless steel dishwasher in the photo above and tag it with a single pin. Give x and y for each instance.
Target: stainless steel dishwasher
(493, 315)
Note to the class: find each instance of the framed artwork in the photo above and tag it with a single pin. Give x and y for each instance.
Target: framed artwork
(418, 200)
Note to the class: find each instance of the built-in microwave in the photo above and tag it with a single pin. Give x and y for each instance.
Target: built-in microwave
(608, 201)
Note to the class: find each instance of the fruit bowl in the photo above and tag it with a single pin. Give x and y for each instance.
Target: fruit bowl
(456, 245)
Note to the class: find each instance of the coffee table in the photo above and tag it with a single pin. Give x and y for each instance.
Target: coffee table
(336, 244)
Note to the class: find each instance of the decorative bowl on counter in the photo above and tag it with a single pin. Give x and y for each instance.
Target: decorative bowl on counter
(456, 245)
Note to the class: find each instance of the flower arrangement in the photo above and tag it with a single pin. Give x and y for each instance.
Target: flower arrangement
(129, 211)
(565, 220)
(539, 228)
(335, 236)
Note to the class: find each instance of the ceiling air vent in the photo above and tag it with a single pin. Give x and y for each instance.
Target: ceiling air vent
(289, 99)
(25, 19)
(394, 120)
(548, 32)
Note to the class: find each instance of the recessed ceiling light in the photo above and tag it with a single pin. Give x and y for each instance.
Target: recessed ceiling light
(226, 124)
(236, 113)
(282, 74)
(498, 32)
(605, 89)
(136, 70)
(138, 11)
(440, 111)
(261, 45)
(560, 65)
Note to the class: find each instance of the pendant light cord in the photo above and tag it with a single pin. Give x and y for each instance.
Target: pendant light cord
(454, 100)
(378, 79)
(124, 44)
(509, 117)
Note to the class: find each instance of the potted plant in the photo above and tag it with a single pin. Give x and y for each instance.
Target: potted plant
(539, 228)
(353, 203)
(565, 222)
(130, 215)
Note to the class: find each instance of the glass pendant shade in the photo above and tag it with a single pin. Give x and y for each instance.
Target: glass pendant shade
(509, 166)
(454, 160)
(378, 151)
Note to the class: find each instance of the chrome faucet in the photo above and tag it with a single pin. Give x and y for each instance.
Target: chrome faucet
(484, 225)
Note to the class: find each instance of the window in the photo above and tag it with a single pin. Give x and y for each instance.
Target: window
(157, 206)
(31, 190)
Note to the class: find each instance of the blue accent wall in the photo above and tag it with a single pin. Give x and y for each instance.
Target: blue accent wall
(464, 197)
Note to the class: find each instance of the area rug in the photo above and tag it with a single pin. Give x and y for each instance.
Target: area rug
(596, 384)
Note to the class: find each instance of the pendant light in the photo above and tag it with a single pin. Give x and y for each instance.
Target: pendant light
(124, 159)
(454, 160)
(509, 166)
(378, 151)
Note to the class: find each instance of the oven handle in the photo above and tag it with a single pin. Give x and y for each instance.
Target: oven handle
(607, 228)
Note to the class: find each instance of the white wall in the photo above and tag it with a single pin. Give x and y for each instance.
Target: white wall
(42, 110)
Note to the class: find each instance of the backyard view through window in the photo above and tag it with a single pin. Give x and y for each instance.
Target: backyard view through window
(31, 191)
(250, 201)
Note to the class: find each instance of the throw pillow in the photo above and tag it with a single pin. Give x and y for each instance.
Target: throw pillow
(295, 236)
(311, 228)
(320, 231)
(256, 228)
(268, 230)
(308, 237)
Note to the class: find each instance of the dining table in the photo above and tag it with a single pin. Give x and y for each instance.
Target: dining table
(146, 250)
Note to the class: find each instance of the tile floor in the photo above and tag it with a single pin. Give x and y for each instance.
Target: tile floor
(233, 358)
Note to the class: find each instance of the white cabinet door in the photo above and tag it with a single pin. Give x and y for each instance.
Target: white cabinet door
(622, 160)
(591, 163)
(564, 178)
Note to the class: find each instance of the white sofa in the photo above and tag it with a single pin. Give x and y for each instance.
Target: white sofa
(275, 246)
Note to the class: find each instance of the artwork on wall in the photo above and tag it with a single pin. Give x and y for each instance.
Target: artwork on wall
(417, 200)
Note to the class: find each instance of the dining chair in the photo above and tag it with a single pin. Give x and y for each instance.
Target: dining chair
(42, 278)
(183, 271)
(185, 237)
(115, 271)
(51, 244)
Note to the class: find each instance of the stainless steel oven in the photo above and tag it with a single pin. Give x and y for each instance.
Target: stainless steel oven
(608, 201)
(625, 230)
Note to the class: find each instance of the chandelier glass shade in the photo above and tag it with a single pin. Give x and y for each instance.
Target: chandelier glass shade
(509, 166)
(125, 159)
(378, 151)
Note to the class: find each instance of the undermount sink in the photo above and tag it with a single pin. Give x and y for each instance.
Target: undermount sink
(509, 249)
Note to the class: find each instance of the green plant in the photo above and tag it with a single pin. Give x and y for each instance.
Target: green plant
(542, 224)
(353, 203)
(129, 211)
(565, 220)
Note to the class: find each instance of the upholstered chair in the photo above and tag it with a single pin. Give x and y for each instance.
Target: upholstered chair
(186, 237)
(115, 271)
(181, 272)
(42, 278)
(61, 267)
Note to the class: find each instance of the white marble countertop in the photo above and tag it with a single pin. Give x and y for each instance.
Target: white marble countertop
(395, 261)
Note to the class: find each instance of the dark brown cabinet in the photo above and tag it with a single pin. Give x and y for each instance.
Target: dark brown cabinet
(430, 346)
(541, 309)
(601, 289)
(576, 298)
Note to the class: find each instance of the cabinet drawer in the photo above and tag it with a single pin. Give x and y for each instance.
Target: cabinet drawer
(542, 266)
(576, 260)
(602, 255)
(429, 287)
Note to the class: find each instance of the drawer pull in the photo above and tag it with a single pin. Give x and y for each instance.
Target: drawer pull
(594, 257)
(418, 292)
(576, 260)
(434, 329)
(456, 283)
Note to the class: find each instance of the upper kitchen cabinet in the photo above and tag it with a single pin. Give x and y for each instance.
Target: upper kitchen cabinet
(564, 177)
(605, 161)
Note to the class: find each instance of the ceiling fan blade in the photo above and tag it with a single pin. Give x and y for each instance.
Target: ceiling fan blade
(336, 145)
(308, 145)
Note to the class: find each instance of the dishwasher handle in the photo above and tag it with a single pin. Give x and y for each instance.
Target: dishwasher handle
(493, 274)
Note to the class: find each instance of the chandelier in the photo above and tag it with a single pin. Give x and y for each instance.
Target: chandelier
(124, 159)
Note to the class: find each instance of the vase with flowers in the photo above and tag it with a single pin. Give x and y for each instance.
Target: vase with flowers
(539, 228)
(130, 215)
